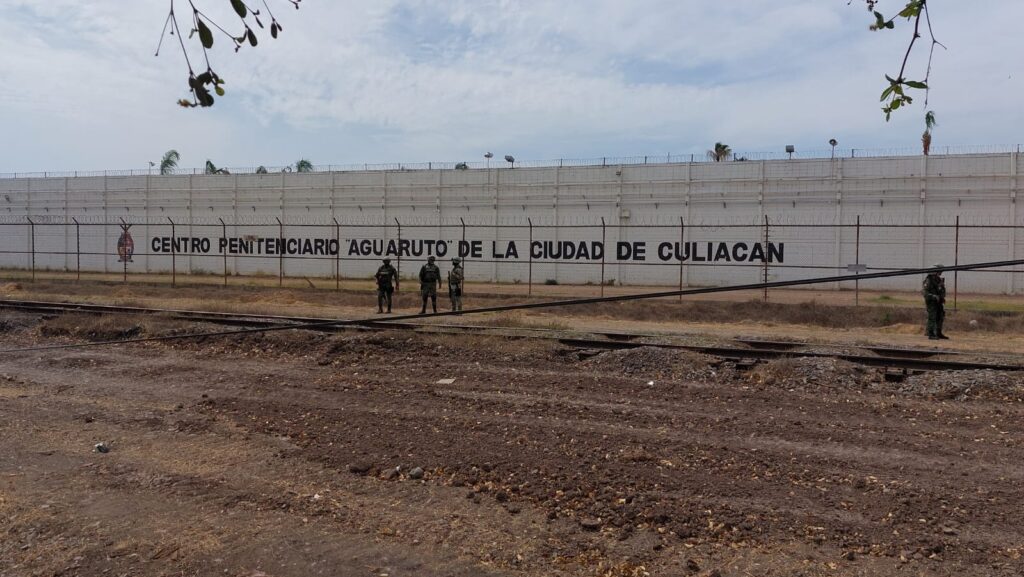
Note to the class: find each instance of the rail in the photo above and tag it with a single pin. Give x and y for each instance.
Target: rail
(315, 324)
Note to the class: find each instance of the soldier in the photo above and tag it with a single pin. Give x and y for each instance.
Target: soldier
(934, 290)
(387, 280)
(430, 281)
(455, 278)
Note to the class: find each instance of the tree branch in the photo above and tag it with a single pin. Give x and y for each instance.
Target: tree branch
(200, 86)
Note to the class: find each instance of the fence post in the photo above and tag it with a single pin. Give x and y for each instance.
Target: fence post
(32, 244)
(465, 262)
(767, 252)
(337, 254)
(604, 243)
(529, 266)
(280, 253)
(224, 231)
(124, 257)
(956, 259)
(78, 249)
(682, 241)
(856, 259)
(399, 247)
(174, 254)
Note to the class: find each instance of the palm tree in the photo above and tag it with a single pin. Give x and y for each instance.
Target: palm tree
(261, 170)
(169, 162)
(926, 138)
(212, 169)
(720, 152)
(303, 165)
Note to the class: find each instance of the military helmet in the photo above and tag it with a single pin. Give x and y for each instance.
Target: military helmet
(938, 265)
(387, 261)
(430, 259)
(456, 260)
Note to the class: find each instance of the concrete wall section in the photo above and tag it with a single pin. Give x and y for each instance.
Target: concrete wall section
(663, 224)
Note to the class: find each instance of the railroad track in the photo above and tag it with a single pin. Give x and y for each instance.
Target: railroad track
(897, 362)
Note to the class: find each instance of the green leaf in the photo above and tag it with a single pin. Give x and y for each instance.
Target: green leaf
(886, 93)
(204, 97)
(916, 84)
(239, 7)
(912, 9)
(219, 90)
(251, 36)
(205, 36)
(896, 104)
(890, 25)
(273, 29)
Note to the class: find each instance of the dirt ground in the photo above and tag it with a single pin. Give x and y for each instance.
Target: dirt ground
(400, 454)
(847, 296)
(983, 323)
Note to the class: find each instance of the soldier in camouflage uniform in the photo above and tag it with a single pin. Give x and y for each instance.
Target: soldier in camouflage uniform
(430, 281)
(387, 280)
(455, 278)
(934, 291)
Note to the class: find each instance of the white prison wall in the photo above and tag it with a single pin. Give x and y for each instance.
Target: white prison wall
(907, 207)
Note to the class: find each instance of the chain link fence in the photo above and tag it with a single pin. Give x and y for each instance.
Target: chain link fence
(598, 253)
(496, 162)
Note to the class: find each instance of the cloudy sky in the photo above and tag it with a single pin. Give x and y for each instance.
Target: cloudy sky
(354, 81)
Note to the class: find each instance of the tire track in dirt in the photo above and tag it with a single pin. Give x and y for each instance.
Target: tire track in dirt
(534, 463)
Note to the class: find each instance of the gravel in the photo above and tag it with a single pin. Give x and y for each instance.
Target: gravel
(654, 362)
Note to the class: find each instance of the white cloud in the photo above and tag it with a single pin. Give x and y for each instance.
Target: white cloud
(390, 80)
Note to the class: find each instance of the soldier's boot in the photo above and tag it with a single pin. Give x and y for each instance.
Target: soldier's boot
(433, 304)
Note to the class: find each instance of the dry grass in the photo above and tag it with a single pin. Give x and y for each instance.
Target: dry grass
(324, 303)
(111, 327)
(776, 372)
(517, 320)
(810, 313)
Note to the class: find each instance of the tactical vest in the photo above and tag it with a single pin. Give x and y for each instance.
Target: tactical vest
(430, 274)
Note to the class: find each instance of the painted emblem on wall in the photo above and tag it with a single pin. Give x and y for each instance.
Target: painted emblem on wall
(125, 245)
